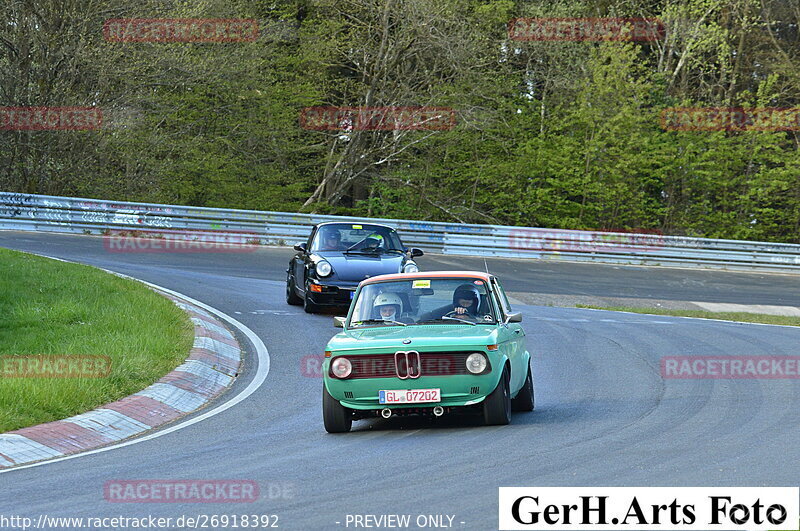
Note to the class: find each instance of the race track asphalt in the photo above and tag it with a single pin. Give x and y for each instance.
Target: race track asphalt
(604, 414)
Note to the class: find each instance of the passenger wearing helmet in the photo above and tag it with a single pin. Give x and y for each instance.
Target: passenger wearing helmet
(373, 241)
(466, 301)
(388, 306)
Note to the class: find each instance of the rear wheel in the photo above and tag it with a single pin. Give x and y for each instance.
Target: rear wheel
(291, 295)
(497, 406)
(337, 418)
(524, 401)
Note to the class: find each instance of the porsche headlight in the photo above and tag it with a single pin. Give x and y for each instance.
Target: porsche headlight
(410, 267)
(324, 268)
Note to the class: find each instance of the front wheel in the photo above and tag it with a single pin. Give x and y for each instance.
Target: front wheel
(337, 418)
(308, 304)
(497, 406)
(524, 401)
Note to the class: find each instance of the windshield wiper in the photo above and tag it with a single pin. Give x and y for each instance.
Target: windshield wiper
(359, 242)
(448, 319)
(375, 321)
(361, 251)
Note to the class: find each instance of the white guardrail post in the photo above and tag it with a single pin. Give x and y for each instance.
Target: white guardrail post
(27, 212)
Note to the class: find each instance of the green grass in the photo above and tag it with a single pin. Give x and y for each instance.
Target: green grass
(744, 317)
(54, 308)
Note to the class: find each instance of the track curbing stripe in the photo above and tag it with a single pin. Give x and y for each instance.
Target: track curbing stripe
(218, 347)
(17, 449)
(110, 423)
(210, 326)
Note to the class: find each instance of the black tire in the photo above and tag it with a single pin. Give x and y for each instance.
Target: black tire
(291, 294)
(497, 406)
(308, 304)
(337, 418)
(524, 401)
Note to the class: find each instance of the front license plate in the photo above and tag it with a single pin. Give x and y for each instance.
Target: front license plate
(409, 396)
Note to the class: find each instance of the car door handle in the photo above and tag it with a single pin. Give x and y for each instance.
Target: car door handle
(517, 331)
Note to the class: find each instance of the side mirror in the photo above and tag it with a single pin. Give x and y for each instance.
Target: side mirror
(338, 322)
(300, 247)
(416, 252)
(514, 317)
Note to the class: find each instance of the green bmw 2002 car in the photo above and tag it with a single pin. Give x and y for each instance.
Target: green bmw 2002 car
(427, 343)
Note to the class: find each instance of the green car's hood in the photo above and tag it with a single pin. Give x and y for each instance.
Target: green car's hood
(434, 335)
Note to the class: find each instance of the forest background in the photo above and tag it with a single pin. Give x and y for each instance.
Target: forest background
(560, 134)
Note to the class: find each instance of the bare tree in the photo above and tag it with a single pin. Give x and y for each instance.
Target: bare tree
(392, 53)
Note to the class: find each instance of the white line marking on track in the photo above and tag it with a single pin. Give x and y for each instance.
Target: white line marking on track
(273, 312)
(263, 370)
(688, 319)
(620, 321)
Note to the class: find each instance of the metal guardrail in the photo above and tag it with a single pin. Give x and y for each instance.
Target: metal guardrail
(28, 212)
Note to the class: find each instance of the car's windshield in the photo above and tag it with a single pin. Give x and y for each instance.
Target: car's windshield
(356, 238)
(443, 301)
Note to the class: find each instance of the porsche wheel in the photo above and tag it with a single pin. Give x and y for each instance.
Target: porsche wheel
(291, 295)
(308, 304)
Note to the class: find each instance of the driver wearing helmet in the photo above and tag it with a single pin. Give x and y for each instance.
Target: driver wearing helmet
(466, 301)
(388, 306)
(332, 240)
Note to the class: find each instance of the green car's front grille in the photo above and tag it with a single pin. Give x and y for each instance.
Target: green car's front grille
(398, 365)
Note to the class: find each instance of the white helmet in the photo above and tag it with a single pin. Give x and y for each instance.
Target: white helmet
(389, 298)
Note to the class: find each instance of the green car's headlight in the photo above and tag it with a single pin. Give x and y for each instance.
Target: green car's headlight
(476, 363)
(341, 367)
(323, 268)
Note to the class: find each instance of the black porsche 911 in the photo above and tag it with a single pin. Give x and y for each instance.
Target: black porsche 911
(337, 256)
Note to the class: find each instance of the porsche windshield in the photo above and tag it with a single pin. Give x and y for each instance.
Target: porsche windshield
(356, 238)
(429, 301)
